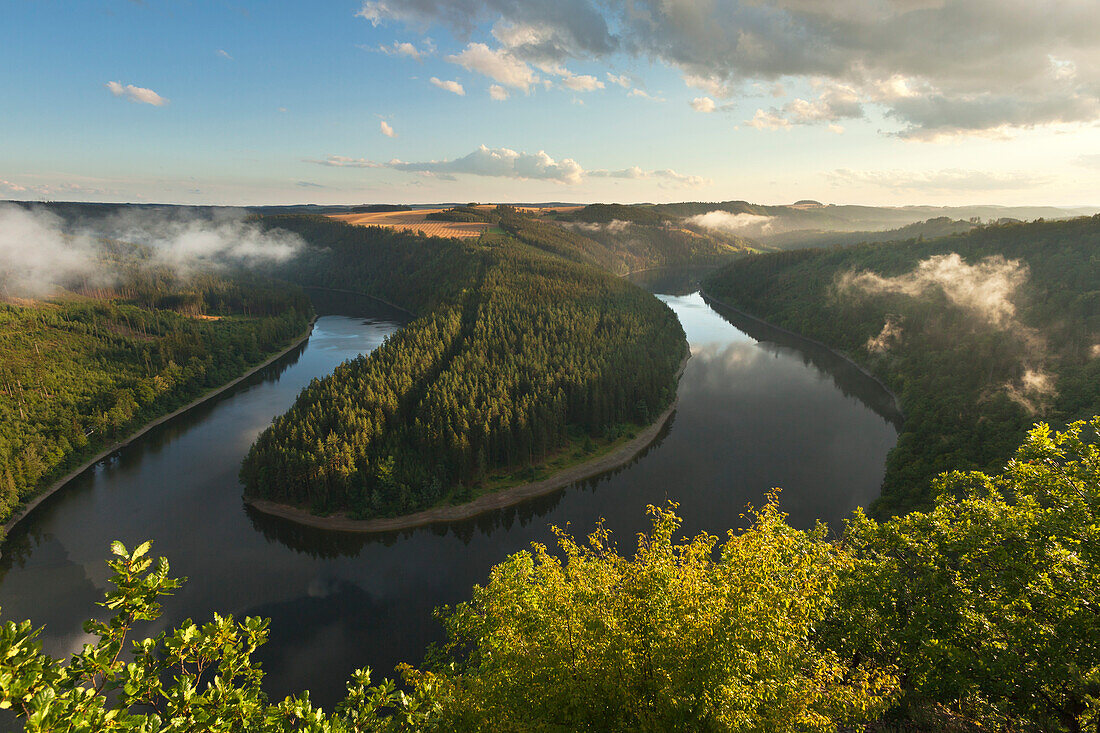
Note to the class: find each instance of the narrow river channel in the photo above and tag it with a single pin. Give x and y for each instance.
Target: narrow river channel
(757, 410)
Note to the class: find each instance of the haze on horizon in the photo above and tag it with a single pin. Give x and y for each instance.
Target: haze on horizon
(884, 102)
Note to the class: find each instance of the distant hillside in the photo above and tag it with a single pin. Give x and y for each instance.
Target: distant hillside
(809, 216)
(941, 226)
(978, 334)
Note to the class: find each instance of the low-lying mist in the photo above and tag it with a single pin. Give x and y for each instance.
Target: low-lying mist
(987, 291)
(41, 253)
(724, 221)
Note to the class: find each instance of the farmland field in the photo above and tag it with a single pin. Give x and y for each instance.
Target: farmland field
(415, 221)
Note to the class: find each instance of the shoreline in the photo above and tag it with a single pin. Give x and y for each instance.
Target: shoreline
(123, 442)
(862, 369)
(486, 502)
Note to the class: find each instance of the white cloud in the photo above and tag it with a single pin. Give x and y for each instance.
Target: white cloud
(500, 163)
(643, 94)
(386, 128)
(451, 86)
(408, 50)
(497, 92)
(136, 94)
(713, 85)
(508, 163)
(224, 54)
(638, 174)
(835, 102)
(703, 104)
(935, 68)
(499, 65)
(621, 79)
(581, 83)
(768, 121)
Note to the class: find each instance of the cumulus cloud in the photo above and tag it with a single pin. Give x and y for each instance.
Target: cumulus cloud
(386, 128)
(733, 223)
(507, 163)
(835, 102)
(136, 94)
(498, 163)
(451, 86)
(409, 50)
(703, 104)
(638, 174)
(986, 288)
(498, 93)
(966, 66)
(498, 65)
(943, 181)
(643, 94)
(40, 253)
(711, 84)
(768, 121)
(539, 30)
(621, 79)
(581, 83)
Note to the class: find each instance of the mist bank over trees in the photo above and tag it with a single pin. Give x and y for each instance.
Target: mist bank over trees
(44, 250)
(978, 334)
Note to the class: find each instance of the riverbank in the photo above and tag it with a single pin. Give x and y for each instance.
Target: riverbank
(122, 443)
(487, 502)
(839, 354)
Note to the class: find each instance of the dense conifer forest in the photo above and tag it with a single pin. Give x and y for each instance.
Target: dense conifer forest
(85, 368)
(978, 334)
(517, 354)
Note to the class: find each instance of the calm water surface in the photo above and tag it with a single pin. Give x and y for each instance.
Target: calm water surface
(755, 412)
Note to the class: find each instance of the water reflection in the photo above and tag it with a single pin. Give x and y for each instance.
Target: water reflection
(750, 416)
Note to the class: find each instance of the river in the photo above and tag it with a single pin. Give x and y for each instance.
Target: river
(756, 410)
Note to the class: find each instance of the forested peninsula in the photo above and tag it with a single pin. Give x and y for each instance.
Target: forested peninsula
(89, 365)
(522, 350)
(978, 334)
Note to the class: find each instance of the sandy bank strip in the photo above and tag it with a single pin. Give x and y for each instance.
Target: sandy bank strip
(866, 372)
(57, 485)
(484, 503)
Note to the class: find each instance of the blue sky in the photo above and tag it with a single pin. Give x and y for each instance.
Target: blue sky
(867, 101)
